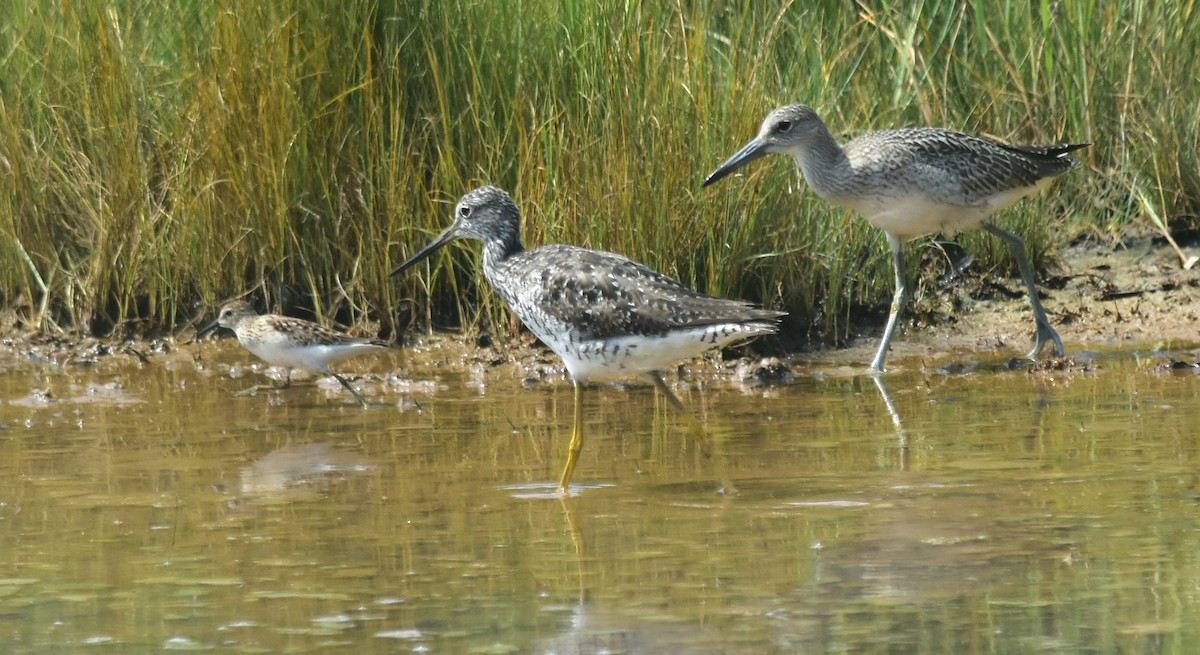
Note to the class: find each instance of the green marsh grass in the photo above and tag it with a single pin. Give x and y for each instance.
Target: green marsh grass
(158, 158)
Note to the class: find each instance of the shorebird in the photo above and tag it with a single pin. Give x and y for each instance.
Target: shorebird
(607, 316)
(291, 342)
(912, 182)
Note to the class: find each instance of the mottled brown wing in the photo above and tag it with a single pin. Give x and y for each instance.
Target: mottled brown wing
(307, 333)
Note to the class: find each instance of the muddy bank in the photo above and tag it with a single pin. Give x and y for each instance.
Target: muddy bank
(1098, 296)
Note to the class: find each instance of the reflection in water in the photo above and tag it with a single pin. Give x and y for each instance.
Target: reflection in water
(901, 435)
(592, 629)
(887, 402)
(292, 466)
(992, 511)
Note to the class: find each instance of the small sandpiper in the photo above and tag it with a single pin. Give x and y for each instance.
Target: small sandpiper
(606, 316)
(291, 342)
(912, 182)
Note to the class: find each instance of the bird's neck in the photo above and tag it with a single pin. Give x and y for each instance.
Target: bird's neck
(824, 164)
(499, 250)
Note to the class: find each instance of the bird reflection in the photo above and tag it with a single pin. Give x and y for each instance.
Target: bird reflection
(299, 469)
(598, 627)
(902, 450)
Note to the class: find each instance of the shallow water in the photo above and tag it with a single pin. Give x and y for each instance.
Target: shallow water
(144, 508)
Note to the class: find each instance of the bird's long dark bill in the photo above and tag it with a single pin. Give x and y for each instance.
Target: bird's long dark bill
(442, 239)
(208, 328)
(747, 154)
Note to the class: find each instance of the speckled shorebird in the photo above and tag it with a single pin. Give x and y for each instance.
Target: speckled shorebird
(291, 342)
(606, 316)
(912, 182)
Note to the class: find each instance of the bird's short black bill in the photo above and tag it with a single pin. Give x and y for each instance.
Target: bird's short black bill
(208, 328)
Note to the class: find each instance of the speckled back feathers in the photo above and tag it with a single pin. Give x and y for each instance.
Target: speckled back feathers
(973, 166)
(602, 295)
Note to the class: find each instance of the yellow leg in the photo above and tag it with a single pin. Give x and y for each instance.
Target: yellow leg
(576, 442)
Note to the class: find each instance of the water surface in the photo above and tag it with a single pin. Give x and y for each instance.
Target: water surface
(144, 508)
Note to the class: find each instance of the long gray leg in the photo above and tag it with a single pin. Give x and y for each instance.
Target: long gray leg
(897, 303)
(361, 401)
(1044, 329)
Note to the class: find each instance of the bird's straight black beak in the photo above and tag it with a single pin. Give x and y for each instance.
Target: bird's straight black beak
(442, 239)
(751, 151)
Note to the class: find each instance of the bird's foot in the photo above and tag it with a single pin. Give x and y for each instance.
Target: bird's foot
(1045, 334)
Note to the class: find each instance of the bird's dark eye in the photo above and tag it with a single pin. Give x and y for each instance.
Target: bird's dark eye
(783, 127)
(464, 211)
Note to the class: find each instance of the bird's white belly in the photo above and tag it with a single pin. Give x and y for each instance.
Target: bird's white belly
(634, 355)
(312, 357)
(624, 357)
(909, 218)
(280, 353)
